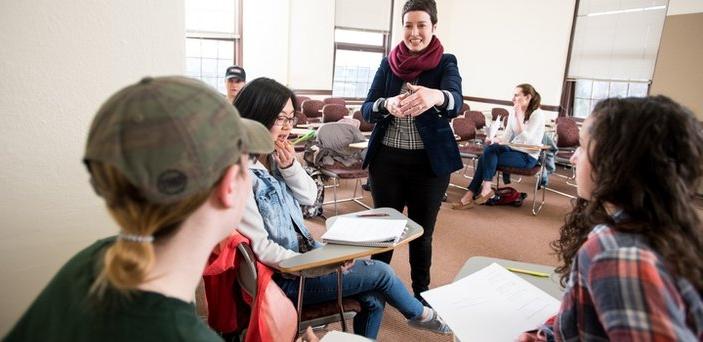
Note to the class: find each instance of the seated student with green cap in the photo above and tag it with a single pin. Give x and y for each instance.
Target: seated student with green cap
(170, 158)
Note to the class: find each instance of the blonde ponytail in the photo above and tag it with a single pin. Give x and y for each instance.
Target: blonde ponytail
(128, 261)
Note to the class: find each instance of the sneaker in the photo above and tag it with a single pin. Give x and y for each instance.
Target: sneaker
(434, 324)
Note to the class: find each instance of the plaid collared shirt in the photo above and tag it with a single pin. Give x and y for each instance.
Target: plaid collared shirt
(620, 290)
(402, 133)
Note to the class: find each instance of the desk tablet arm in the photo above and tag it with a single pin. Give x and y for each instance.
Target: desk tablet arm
(319, 271)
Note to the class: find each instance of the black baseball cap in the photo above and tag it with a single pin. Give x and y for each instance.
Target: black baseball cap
(236, 72)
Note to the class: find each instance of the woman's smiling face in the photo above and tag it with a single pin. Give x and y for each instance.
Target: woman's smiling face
(417, 30)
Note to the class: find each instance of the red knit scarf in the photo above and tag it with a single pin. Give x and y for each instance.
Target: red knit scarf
(408, 65)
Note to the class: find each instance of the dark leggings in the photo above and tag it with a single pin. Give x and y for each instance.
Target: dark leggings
(403, 178)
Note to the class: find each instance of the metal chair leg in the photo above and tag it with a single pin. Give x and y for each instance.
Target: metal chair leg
(299, 306)
(339, 299)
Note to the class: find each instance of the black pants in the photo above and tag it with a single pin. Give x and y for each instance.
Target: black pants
(402, 178)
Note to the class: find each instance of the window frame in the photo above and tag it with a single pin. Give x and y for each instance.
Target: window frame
(383, 49)
(236, 38)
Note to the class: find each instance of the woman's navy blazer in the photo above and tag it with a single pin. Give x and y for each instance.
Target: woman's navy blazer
(433, 124)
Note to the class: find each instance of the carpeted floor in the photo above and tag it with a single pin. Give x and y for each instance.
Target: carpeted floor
(502, 232)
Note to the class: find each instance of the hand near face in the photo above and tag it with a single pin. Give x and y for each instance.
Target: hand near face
(519, 112)
(284, 153)
(420, 99)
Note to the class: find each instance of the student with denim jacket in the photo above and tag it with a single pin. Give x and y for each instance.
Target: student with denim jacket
(274, 222)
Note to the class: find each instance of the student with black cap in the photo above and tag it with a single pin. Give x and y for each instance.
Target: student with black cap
(235, 78)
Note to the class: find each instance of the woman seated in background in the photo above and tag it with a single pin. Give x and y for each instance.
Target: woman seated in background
(525, 126)
(274, 222)
(631, 248)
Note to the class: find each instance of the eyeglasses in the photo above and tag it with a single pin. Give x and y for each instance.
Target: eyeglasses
(282, 120)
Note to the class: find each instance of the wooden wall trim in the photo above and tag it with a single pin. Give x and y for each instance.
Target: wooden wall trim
(548, 108)
(312, 92)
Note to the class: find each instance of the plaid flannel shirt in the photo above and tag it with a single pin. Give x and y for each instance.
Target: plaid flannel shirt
(619, 289)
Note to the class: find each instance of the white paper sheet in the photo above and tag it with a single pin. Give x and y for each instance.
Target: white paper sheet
(493, 128)
(491, 304)
(338, 336)
(361, 229)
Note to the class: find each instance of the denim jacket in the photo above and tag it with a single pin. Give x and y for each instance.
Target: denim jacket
(272, 210)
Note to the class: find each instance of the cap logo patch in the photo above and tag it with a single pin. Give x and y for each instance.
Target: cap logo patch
(172, 182)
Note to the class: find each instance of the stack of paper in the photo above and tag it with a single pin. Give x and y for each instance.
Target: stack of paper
(492, 304)
(365, 231)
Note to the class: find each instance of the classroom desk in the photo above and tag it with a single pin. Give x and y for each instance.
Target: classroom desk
(360, 145)
(333, 254)
(300, 131)
(330, 254)
(549, 285)
(312, 125)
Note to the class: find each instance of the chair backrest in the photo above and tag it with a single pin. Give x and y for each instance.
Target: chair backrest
(464, 128)
(312, 108)
(477, 117)
(333, 112)
(302, 119)
(464, 107)
(499, 112)
(335, 100)
(299, 99)
(246, 272)
(567, 132)
(365, 125)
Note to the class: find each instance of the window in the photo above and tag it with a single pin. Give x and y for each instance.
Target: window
(589, 92)
(357, 57)
(213, 41)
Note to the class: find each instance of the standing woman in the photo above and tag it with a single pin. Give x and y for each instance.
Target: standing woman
(412, 150)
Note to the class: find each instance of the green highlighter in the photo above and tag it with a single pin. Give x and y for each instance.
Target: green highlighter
(305, 137)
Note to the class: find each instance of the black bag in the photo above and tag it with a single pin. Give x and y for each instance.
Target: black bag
(316, 208)
(507, 196)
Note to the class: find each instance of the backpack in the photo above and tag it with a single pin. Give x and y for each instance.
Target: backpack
(316, 208)
(507, 196)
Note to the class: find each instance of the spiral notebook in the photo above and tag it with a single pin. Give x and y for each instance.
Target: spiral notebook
(368, 232)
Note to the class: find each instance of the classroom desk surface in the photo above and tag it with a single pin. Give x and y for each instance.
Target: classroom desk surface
(300, 131)
(549, 284)
(330, 254)
(360, 145)
(313, 125)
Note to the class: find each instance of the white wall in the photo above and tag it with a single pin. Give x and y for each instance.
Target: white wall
(265, 38)
(684, 7)
(59, 61)
(311, 44)
(502, 43)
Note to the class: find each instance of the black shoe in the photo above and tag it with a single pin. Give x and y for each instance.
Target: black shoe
(366, 187)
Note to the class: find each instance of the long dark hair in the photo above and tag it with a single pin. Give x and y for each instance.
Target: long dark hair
(262, 100)
(646, 158)
(535, 101)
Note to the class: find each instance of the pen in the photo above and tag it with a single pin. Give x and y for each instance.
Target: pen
(532, 273)
(372, 215)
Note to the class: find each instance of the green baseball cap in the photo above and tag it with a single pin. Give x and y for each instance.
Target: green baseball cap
(172, 137)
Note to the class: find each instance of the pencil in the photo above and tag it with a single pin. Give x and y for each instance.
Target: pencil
(532, 273)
